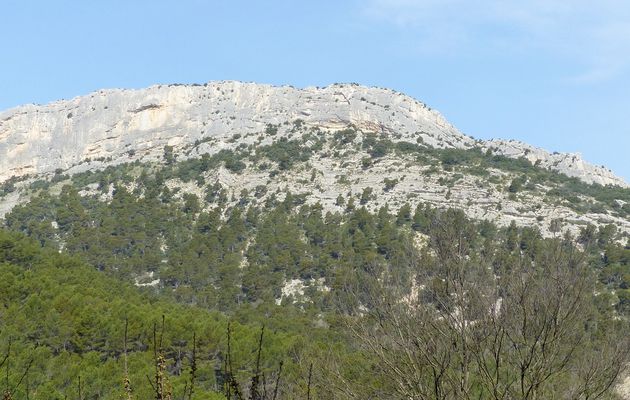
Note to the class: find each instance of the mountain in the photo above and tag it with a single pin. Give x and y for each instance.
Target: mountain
(108, 124)
(276, 239)
(113, 127)
(39, 139)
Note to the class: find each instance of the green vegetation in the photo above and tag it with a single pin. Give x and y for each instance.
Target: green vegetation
(366, 195)
(344, 137)
(389, 184)
(329, 287)
(66, 321)
(284, 152)
(7, 187)
(193, 168)
(475, 324)
(613, 199)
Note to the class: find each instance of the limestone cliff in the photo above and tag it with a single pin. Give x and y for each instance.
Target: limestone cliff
(570, 164)
(114, 126)
(123, 125)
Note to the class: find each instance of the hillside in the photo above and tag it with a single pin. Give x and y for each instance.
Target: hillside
(333, 216)
(338, 140)
(63, 329)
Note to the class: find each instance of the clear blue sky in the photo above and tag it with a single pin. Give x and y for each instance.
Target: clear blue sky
(554, 73)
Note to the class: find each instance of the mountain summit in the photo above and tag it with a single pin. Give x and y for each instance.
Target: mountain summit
(115, 126)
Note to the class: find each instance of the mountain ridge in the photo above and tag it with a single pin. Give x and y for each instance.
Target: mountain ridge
(335, 145)
(114, 123)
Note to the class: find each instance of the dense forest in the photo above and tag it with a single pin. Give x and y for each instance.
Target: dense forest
(135, 290)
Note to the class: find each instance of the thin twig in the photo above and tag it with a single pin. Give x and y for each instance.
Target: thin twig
(275, 390)
(193, 367)
(308, 388)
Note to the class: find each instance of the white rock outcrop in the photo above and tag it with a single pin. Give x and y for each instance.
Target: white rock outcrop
(570, 164)
(124, 125)
(114, 126)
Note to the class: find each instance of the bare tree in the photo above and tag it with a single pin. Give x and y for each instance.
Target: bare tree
(472, 325)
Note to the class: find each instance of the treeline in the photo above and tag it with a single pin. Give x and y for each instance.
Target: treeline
(290, 150)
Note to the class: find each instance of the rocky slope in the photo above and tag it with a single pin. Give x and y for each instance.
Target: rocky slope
(374, 145)
(113, 126)
(570, 164)
(123, 125)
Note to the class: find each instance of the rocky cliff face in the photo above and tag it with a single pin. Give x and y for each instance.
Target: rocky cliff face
(115, 126)
(570, 164)
(124, 125)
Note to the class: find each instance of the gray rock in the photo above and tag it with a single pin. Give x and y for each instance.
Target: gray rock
(115, 126)
(570, 164)
(123, 125)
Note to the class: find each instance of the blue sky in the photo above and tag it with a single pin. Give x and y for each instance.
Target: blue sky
(554, 73)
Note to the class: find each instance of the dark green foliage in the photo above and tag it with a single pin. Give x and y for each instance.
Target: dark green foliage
(366, 162)
(234, 164)
(298, 123)
(169, 156)
(374, 147)
(404, 215)
(366, 195)
(516, 185)
(422, 218)
(192, 168)
(344, 137)
(271, 130)
(285, 152)
(623, 306)
(614, 271)
(191, 204)
(478, 163)
(69, 320)
(480, 322)
(389, 184)
(216, 193)
(7, 187)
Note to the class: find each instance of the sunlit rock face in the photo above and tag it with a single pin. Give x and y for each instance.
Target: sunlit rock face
(124, 125)
(570, 164)
(115, 126)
